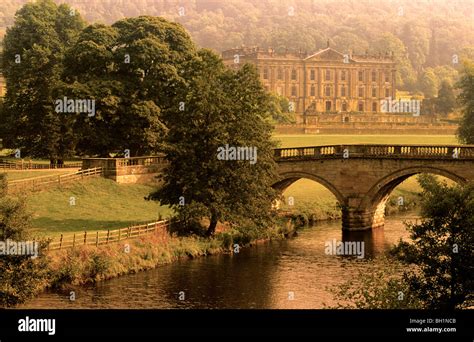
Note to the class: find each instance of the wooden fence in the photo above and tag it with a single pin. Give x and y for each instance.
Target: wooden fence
(29, 165)
(107, 236)
(45, 182)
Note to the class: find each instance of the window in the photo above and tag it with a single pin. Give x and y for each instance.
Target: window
(343, 91)
(361, 106)
(280, 74)
(344, 107)
(343, 75)
(328, 106)
(328, 75)
(374, 107)
(312, 91)
(265, 73)
(293, 91)
(328, 91)
(312, 75)
(374, 92)
(293, 74)
(374, 76)
(361, 76)
(361, 92)
(387, 92)
(387, 77)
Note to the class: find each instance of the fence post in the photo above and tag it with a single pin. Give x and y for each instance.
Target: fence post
(138, 230)
(85, 237)
(120, 232)
(61, 241)
(73, 240)
(108, 233)
(128, 232)
(97, 239)
(59, 179)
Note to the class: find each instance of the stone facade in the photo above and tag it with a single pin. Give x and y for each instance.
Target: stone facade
(3, 86)
(128, 170)
(327, 81)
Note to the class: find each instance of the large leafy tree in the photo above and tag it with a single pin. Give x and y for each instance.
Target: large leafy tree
(32, 61)
(220, 107)
(466, 100)
(134, 69)
(442, 247)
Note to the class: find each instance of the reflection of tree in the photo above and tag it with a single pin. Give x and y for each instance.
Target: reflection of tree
(241, 280)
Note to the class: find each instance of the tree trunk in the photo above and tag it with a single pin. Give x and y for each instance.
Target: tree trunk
(212, 226)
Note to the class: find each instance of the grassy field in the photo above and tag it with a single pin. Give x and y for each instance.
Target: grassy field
(297, 140)
(99, 204)
(104, 204)
(19, 174)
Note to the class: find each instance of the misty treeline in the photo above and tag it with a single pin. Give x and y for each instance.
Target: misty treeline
(429, 38)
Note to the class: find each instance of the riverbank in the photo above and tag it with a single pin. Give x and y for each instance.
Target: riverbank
(89, 264)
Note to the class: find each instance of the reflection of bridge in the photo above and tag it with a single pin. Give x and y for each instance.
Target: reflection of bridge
(363, 176)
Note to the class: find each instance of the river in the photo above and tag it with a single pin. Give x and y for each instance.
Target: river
(293, 273)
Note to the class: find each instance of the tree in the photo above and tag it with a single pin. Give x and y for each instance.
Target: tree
(405, 76)
(135, 70)
(441, 247)
(429, 83)
(32, 65)
(280, 110)
(466, 100)
(21, 277)
(222, 108)
(446, 100)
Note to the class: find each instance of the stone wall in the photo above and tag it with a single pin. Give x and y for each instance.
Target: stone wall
(367, 128)
(128, 170)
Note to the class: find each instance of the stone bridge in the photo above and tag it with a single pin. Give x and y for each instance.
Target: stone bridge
(363, 176)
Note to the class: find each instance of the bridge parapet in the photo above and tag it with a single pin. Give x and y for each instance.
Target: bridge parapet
(465, 152)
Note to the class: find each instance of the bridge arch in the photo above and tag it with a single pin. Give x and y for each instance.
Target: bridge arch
(375, 199)
(288, 178)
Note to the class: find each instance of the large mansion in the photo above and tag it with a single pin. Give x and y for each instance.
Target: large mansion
(326, 81)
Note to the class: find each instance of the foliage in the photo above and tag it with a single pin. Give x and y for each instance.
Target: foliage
(423, 34)
(280, 110)
(32, 58)
(441, 247)
(466, 100)
(446, 100)
(221, 107)
(21, 276)
(379, 285)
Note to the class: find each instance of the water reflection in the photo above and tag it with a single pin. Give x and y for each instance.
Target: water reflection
(281, 274)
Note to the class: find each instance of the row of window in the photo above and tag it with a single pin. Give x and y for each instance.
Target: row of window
(344, 108)
(329, 90)
(327, 75)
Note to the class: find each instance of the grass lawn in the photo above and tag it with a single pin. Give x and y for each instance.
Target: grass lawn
(298, 140)
(313, 198)
(24, 174)
(103, 204)
(99, 204)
